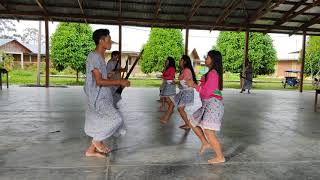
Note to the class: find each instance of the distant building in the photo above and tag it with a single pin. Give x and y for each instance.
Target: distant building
(22, 53)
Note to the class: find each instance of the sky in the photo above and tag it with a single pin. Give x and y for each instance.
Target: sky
(134, 37)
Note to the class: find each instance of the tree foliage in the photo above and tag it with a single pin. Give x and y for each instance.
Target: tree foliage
(261, 53)
(30, 36)
(161, 44)
(6, 61)
(312, 57)
(70, 45)
(8, 30)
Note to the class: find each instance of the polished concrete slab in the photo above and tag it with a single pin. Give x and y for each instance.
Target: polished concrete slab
(265, 135)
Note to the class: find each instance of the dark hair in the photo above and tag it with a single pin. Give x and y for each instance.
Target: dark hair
(172, 63)
(216, 65)
(115, 53)
(187, 64)
(98, 34)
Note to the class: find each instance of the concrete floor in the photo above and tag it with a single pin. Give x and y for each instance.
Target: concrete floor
(265, 135)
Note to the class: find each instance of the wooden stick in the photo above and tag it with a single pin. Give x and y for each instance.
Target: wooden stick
(120, 89)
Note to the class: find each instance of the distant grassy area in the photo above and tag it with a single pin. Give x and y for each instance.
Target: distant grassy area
(29, 76)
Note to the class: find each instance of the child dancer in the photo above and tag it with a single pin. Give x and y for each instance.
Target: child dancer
(207, 119)
(185, 96)
(168, 88)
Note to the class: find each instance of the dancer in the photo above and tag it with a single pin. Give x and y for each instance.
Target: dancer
(185, 97)
(168, 88)
(114, 72)
(102, 120)
(207, 119)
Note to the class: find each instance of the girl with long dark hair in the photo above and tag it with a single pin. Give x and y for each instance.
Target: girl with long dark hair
(185, 97)
(168, 88)
(207, 119)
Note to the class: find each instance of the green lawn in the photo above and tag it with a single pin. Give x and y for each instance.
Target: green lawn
(23, 77)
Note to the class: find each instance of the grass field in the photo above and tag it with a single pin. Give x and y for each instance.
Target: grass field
(23, 77)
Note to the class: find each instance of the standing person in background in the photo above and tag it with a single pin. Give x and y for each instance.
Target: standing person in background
(248, 75)
(114, 72)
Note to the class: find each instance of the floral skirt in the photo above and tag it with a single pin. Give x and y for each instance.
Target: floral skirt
(183, 98)
(168, 90)
(209, 116)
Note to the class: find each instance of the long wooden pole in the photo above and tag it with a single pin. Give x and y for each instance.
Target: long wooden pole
(302, 60)
(47, 51)
(187, 42)
(120, 43)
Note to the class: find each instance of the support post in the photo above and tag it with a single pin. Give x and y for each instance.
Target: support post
(302, 60)
(187, 41)
(47, 51)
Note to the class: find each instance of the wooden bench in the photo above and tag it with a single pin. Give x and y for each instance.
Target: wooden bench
(4, 71)
(316, 100)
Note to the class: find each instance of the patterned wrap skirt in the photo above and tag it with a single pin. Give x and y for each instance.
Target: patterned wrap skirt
(168, 89)
(209, 116)
(185, 97)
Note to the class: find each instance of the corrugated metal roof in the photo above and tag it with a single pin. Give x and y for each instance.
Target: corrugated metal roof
(278, 16)
(31, 47)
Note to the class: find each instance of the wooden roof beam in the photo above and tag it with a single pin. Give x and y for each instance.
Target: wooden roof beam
(120, 10)
(264, 9)
(292, 14)
(4, 4)
(315, 3)
(81, 4)
(196, 5)
(157, 11)
(226, 12)
(303, 27)
(42, 6)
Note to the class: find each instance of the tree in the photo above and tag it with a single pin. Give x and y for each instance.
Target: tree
(312, 57)
(261, 53)
(70, 45)
(161, 44)
(30, 36)
(8, 30)
(6, 61)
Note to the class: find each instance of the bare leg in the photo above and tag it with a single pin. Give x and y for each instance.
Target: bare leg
(204, 142)
(165, 118)
(214, 142)
(184, 116)
(162, 103)
(91, 152)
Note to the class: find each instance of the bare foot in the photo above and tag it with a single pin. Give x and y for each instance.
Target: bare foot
(100, 147)
(95, 154)
(217, 160)
(164, 120)
(204, 148)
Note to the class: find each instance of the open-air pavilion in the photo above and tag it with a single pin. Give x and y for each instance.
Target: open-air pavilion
(267, 135)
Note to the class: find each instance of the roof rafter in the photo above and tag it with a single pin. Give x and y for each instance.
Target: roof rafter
(81, 4)
(4, 4)
(157, 11)
(264, 9)
(303, 27)
(195, 6)
(42, 6)
(226, 12)
(292, 14)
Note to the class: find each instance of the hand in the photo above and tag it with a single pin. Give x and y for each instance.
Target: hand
(124, 83)
(190, 83)
(111, 74)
